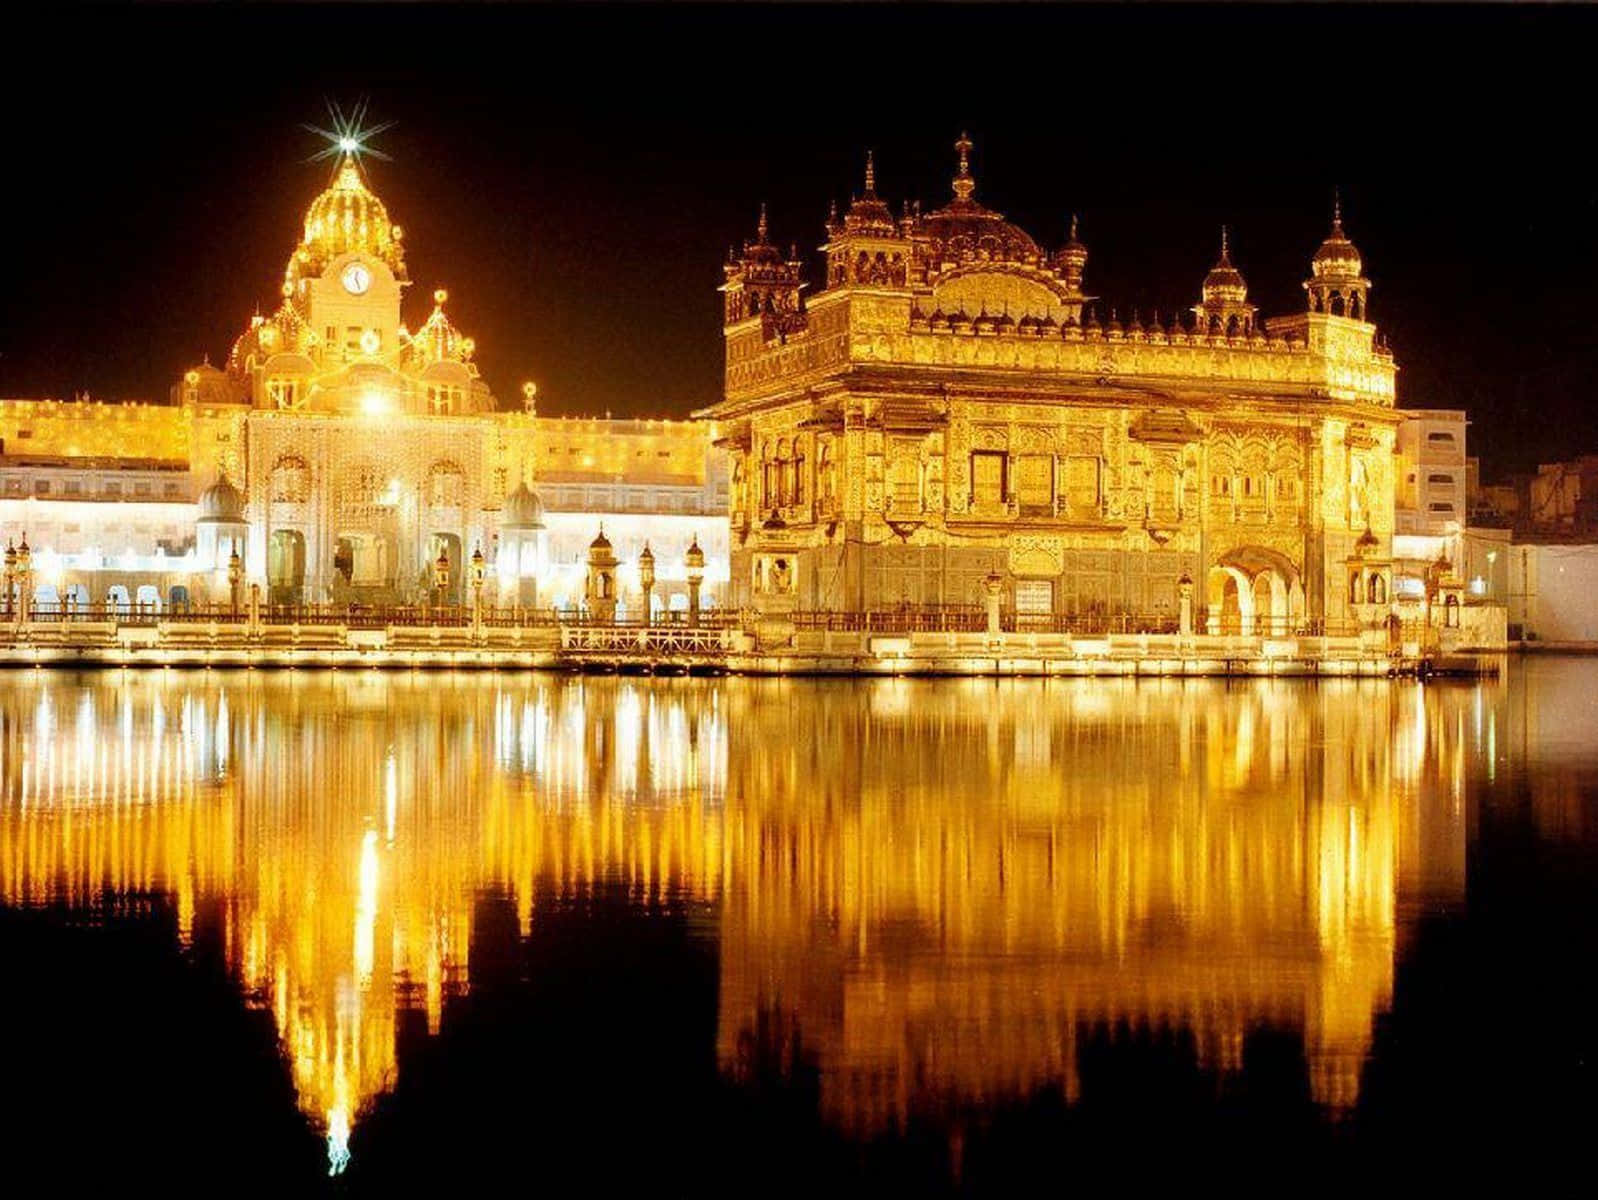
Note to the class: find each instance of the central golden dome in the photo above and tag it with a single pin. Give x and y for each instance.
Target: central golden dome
(347, 217)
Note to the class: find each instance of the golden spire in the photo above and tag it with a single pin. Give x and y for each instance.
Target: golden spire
(761, 227)
(1226, 258)
(964, 185)
(871, 174)
(1337, 213)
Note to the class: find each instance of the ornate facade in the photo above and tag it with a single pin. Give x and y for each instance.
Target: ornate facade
(344, 456)
(953, 405)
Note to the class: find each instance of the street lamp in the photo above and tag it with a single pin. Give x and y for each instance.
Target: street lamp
(235, 576)
(695, 561)
(11, 573)
(441, 574)
(646, 577)
(479, 575)
(24, 578)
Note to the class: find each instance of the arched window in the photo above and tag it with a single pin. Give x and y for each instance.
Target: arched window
(1378, 588)
(1356, 588)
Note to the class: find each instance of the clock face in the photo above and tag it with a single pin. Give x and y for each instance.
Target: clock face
(357, 278)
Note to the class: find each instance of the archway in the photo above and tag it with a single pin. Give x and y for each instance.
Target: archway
(1229, 601)
(46, 599)
(118, 600)
(148, 598)
(1270, 591)
(285, 566)
(450, 545)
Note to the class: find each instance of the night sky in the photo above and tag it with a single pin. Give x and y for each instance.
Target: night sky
(574, 176)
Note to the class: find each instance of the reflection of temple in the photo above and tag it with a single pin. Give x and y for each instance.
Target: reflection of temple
(347, 824)
(934, 887)
(1158, 856)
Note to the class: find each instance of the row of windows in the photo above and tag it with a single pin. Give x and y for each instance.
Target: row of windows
(113, 489)
(1254, 486)
(1031, 480)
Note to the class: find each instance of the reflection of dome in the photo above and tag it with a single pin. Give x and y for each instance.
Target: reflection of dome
(221, 502)
(523, 509)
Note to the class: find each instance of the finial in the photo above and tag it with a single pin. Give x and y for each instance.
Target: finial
(1337, 212)
(1224, 248)
(964, 185)
(760, 228)
(439, 296)
(832, 213)
(1073, 227)
(871, 174)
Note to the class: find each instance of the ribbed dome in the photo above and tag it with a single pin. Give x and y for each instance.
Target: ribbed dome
(964, 230)
(1225, 283)
(1337, 256)
(221, 502)
(347, 217)
(523, 509)
(599, 543)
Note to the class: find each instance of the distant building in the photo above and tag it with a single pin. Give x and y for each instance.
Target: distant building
(1563, 497)
(1430, 495)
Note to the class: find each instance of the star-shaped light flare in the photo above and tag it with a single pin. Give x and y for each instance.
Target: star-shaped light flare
(350, 133)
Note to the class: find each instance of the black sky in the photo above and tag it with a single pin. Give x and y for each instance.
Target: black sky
(575, 175)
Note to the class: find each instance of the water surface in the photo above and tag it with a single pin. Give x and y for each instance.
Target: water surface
(344, 931)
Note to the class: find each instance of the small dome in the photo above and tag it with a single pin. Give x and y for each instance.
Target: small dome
(1337, 256)
(523, 509)
(1224, 283)
(221, 502)
(599, 543)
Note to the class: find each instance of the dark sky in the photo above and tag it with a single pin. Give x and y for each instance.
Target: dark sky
(574, 176)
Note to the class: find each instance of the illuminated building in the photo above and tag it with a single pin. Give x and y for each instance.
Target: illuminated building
(953, 403)
(341, 451)
(1430, 495)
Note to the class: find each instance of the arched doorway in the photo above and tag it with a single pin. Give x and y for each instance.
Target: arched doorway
(1270, 594)
(118, 600)
(148, 598)
(448, 544)
(1229, 602)
(285, 566)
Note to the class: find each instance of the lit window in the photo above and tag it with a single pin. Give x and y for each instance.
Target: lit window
(988, 468)
(283, 393)
(1440, 436)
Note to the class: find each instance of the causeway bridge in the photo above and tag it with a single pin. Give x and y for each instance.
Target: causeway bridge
(906, 641)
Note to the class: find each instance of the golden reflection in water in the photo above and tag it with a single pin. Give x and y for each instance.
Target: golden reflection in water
(930, 886)
(932, 895)
(348, 822)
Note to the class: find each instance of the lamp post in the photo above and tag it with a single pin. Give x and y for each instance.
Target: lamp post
(646, 577)
(441, 575)
(24, 580)
(1184, 588)
(235, 576)
(695, 560)
(479, 570)
(10, 574)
